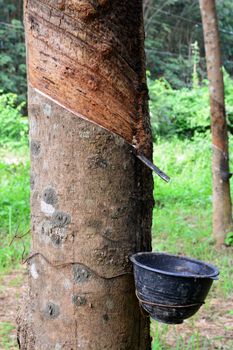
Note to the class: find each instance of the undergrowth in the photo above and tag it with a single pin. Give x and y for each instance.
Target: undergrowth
(182, 213)
(182, 221)
(14, 207)
(14, 181)
(7, 340)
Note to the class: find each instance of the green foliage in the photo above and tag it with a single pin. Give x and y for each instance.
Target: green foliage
(171, 27)
(182, 225)
(14, 209)
(228, 86)
(7, 341)
(189, 165)
(14, 197)
(12, 59)
(182, 214)
(14, 180)
(229, 239)
(184, 112)
(178, 112)
(14, 127)
(11, 9)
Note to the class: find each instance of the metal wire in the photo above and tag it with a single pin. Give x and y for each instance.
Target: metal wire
(63, 265)
(166, 305)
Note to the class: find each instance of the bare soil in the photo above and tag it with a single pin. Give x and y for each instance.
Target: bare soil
(12, 287)
(211, 328)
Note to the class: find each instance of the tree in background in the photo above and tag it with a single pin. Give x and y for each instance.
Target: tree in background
(172, 26)
(11, 9)
(91, 200)
(222, 208)
(12, 49)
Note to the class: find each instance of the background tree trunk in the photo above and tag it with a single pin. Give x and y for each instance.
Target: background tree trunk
(222, 212)
(91, 199)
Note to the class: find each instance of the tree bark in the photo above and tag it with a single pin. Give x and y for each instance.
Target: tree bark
(91, 199)
(222, 211)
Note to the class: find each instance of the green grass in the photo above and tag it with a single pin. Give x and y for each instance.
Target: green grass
(182, 214)
(195, 342)
(14, 204)
(7, 342)
(182, 222)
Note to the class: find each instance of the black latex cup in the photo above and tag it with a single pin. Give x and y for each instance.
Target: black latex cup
(171, 288)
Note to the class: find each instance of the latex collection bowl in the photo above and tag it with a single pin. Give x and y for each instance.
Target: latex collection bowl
(171, 288)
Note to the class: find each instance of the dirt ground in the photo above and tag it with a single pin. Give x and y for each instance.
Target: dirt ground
(12, 287)
(212, 327)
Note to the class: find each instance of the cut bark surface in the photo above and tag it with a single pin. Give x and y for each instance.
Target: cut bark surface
(87, 56)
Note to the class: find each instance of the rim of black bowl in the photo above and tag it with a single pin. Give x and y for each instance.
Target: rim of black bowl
(211, 275)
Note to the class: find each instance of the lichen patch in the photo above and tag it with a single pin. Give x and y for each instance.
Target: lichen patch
(51, 311)
(50, 196)
(81, 273)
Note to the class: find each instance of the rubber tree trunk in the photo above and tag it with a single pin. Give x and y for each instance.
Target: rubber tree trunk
(222, 211)
(91, 199)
